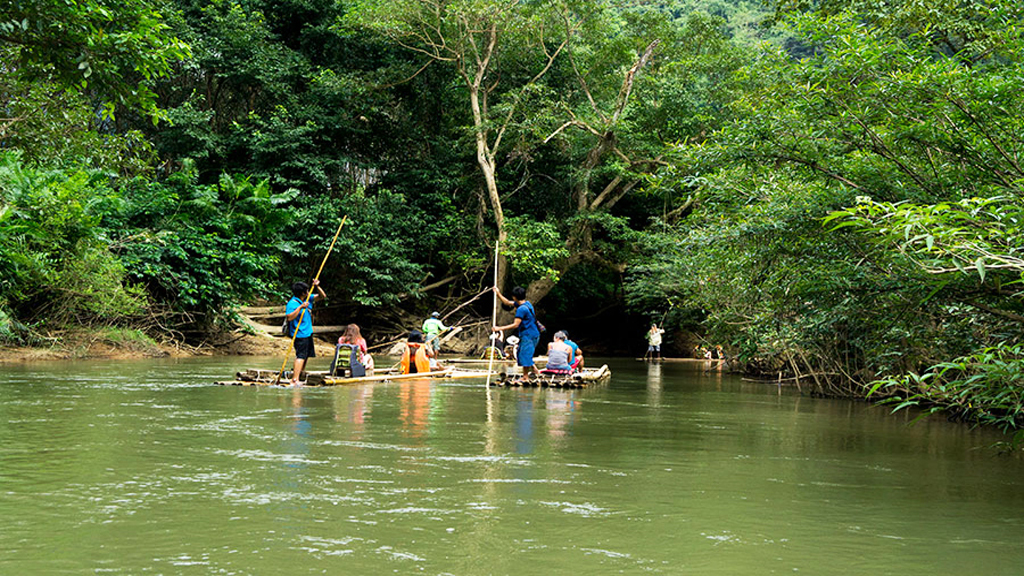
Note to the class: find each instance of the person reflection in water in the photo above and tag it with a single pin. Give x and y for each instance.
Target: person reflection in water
(561, 406)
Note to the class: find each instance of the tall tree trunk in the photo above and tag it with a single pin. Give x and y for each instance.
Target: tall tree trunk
(485, 158)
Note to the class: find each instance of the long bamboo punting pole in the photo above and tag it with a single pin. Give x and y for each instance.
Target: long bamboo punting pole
(303, 312)
(494, 318)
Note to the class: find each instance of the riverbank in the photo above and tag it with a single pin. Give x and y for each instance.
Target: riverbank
(118, 344)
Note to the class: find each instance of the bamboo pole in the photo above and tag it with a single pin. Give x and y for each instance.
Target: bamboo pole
(303, 312)
(494, 320)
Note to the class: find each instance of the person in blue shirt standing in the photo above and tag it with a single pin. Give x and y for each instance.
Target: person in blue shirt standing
(526, 322)
(302, 330)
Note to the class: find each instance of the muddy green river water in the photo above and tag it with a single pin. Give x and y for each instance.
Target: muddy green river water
(145, 467)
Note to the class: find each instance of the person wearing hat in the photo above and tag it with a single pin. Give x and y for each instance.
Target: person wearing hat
(433, 327)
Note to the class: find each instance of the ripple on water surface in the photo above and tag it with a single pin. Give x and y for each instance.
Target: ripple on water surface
(145, 467)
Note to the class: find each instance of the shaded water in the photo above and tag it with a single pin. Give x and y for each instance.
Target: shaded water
(145, 467)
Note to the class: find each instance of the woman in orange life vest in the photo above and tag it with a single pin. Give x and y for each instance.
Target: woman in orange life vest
(416, 356)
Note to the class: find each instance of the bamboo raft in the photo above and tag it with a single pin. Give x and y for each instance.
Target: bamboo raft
(541, 359)
(684, 360)
(580, 379)
(258, 377)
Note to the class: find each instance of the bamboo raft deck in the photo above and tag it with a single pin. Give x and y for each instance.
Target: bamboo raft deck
(683, 360)
(259, 377)
(503, 361)
(580, 379)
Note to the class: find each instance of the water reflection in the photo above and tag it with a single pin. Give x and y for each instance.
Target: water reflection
(524, 421)
(299, 424)
(562, 409)
(664, 468)
(654, 383)
(359, 405)
(414, 401)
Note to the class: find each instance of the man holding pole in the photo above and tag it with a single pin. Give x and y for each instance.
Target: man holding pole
(433, 327)
(299, 315)
(526, 323)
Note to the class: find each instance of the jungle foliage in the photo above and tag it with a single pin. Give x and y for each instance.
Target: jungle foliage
(831, 188)
(858, 220)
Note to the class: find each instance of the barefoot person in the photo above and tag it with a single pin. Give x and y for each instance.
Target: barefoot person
(302, 329)
(526, 324)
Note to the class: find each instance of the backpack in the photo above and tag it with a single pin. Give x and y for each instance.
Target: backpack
(540, 327)
(286, 327)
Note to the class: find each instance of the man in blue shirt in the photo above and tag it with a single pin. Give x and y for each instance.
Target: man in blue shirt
(526, 322)
(299, 315)
(576, 360)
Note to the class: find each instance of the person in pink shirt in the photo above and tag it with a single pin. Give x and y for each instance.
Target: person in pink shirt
(354, 337)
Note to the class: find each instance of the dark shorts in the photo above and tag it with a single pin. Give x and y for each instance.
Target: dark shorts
(304, 348)
(527, 346)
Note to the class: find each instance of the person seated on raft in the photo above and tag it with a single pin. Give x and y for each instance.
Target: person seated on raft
(417, 357)
(576, 360)
(494, 349)
(512, 347)
(354, 337)
(558, 356)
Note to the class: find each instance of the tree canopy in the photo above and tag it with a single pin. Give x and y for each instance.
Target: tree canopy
(830, 189)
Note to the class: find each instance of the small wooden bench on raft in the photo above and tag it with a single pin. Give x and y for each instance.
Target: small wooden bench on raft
(580, 379)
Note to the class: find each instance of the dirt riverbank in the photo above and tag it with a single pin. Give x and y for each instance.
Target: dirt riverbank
(81, 346)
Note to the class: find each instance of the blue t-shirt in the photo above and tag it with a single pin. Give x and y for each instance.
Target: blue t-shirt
(306, 326)
(528, 324)
(575, 351)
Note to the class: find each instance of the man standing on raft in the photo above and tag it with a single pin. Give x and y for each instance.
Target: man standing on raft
(303, 332)
(526, 322)
(433, 327)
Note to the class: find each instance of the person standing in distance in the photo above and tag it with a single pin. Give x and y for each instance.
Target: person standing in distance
(526, 323)
(433, 327)
(302, 330)
(654, 342)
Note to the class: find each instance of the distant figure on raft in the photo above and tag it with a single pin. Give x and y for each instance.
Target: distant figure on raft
(433, 327)
(654, 343)
(526, 324)
(299, 316)
(417, 356)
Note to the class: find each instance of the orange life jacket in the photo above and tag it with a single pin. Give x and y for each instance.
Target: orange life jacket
(419, 362)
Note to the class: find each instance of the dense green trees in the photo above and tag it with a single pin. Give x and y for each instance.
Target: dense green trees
(110, 49)
(857, 219)
(835, 194)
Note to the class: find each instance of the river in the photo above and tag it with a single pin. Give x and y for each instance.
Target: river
(145, 467)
